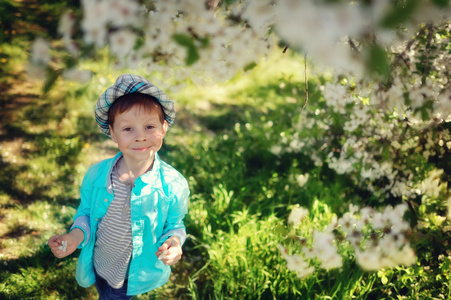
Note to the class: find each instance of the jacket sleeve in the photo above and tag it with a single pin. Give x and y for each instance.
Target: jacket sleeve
(178, 209)
(82, 217)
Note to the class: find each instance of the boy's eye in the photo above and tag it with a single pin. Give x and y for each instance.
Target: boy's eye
(149, 127)
(127, 129)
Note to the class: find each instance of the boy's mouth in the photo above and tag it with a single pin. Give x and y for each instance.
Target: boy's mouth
(141, 149)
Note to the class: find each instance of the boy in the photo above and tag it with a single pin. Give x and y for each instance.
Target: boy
(129, 224)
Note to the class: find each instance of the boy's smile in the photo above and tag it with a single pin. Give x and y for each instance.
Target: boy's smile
(139, 134)
(140, 149)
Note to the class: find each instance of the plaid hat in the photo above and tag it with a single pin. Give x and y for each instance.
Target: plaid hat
(127, 84)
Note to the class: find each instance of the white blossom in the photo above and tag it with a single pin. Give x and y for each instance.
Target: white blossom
(95, 16)
(325, 250)
(76, 74)
(122, 42)
(260, 14)
(369, 260)
(297, 215)
(276, 149)
(302, 179)
(296, 263)
(40, 51)
(66, 25)
(431, 185)
(123, 12)
(63, 246)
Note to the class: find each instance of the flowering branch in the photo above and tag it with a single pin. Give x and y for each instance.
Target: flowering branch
(379, 240)
(409, 45)
(430, 28)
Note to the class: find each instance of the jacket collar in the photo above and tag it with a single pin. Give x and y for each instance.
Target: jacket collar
(149, 177)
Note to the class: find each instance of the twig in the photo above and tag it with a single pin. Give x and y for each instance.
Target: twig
(406, 62)
(353, 46)
(405, 136)
(426, 52)
(306, 82)
(306, 78)
(409, 44)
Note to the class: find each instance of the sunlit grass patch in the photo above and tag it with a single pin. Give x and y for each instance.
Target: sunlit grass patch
(240, 261)
(41, 276)
(28, 227)
(14, 54)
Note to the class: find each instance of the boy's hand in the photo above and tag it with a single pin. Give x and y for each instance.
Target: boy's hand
(64, 245)
(171, 251)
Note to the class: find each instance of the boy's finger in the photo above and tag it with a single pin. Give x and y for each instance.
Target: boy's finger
(59, 254)
(163, 247)
(172, 253)
(53, 241)
(172, 260)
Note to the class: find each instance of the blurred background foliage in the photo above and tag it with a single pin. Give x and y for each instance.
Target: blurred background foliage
(241, 192)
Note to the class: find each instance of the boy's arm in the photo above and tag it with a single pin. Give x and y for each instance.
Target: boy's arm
(83, 224)
(174, 225)
(82, 217)
(80, 232)
(180, 233)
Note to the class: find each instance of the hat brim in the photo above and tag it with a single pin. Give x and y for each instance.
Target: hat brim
(128, 84)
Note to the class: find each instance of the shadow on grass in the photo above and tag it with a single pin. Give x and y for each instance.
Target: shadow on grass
(41, 275)
(37, 192)
(30, 17)
(7, 174)
(224, 116)
(38, 158)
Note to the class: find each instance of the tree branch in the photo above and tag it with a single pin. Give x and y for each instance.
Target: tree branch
(409, 44)
(353, 46)
(426, 52)
(406, 62)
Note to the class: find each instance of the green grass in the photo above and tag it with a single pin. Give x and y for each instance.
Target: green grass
(241, 192)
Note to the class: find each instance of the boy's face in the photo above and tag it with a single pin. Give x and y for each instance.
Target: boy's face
(139, 134)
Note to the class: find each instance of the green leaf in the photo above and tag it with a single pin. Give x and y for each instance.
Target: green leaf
(139, 43)
(204, 42)
(70, 62)
(281, 229)
(193, 56)
(50, 80)
(378, 62)
(400, 13)
(250, 66)
(183, 40)
(441, 3)
(187, 42)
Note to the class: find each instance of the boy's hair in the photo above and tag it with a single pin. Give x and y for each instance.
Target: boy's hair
(129, 84)
(126, 102)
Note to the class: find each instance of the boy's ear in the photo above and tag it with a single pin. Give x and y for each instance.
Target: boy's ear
(113, 137)
(165, 127)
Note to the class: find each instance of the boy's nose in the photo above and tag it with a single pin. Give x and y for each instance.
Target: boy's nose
(140, 139)
(140, 136)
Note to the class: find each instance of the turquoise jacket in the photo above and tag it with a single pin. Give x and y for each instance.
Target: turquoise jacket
(159, 202)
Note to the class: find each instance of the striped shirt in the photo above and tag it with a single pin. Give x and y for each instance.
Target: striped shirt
(113, 247)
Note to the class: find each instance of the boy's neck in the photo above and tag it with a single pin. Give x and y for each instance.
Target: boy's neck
(129, 171)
